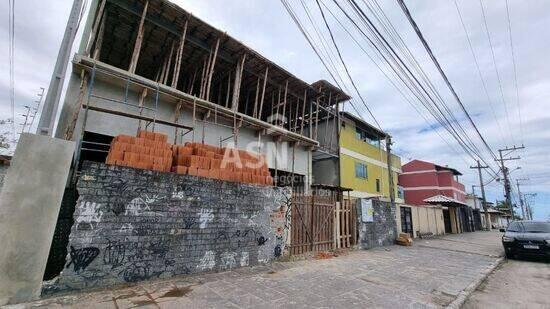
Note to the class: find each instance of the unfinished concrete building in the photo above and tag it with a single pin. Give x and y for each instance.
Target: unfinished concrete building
(149, 64)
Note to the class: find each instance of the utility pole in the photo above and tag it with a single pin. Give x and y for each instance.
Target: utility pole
(479, 167)
(474, 196)
(521, 201)
(389, 143)
(505, 173)
(49, 112)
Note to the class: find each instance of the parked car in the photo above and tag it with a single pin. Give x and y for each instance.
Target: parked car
(527, 238)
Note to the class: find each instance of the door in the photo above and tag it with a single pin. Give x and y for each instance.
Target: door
(406, 220)
(312, 218)
(447, 221)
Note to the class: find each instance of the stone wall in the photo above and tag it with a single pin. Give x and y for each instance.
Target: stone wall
(132, 225)
(382, 231)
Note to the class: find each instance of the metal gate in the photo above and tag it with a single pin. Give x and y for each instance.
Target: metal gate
(312, 223)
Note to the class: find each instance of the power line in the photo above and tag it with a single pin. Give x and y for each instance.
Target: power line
(445, 78)
(515, 71)
(11, 21)
(392, 82)
(479, 71)
(496, 68)
(345, 66)
(398, 66)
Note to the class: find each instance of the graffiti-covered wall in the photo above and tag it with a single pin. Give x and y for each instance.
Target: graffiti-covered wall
(378, 227)
(132, 225)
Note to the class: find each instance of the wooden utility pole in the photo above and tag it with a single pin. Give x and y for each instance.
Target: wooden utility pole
(505, 173)
(390, 174)
(479, 167)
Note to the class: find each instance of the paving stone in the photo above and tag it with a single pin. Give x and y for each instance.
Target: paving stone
(428, 275)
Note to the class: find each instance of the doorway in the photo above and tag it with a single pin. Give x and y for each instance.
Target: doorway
(406, 220)
(447, 221)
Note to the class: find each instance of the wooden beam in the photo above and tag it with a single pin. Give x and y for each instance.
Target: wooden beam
(228, 90)
(139, 40)
(284, 104)
(263, 93)
(99, 43)
(169, 27)
(177, 68)
(212, 70)
(99, 21)
(237, 84)
(140, 117)
(303, 113)
(254, 113)
(169, 64)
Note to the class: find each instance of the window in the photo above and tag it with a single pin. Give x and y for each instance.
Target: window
(361, 170)
(362, 135)
(377, 185)
(400, 192)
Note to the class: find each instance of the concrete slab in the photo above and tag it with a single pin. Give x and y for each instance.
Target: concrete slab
(29, 205)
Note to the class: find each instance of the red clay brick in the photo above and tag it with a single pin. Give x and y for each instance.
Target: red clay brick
(202, 172)
(182, 170)
(193, 171)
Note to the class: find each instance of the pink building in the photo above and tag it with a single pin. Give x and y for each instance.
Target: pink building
(421, 180)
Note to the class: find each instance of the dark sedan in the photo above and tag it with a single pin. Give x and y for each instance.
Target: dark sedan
(527, 238)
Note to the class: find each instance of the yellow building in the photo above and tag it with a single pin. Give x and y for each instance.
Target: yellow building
(363, 162)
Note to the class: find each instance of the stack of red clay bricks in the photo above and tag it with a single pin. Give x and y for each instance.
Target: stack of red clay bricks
(220, 163)
(151, 151)
(146, 151)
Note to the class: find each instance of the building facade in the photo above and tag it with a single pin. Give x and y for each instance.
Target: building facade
(354, 158)
(421, 180)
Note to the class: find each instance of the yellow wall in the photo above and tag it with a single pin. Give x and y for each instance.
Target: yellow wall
(374, 171)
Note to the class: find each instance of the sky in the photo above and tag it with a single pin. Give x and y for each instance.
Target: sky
(503, 118)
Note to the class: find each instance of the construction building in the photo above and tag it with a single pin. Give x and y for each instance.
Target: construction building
(151, 65)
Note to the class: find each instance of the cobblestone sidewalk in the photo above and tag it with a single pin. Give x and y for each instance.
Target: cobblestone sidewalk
(430, 274)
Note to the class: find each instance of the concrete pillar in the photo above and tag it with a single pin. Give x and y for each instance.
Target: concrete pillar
(29, 205)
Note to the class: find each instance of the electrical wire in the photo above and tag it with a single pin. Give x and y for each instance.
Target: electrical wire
(496, 68)
(11, 21)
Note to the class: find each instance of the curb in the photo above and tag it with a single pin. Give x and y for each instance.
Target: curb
(465, 294)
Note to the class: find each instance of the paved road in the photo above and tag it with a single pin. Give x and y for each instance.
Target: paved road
(515, 284)
(430, 274)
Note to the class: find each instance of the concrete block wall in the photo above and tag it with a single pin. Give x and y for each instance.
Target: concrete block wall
(382, 231)
(133, 225)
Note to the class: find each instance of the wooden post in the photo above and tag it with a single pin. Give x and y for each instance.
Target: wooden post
(100, 20)
(179, 56)
(317, 119)
(212, 70)
(303, 113)
(256, 99)
(99, 42)
(176, 118)
(139, 40)
(237, 84)
(169, 64)
(284, 103)
(228, 90)
(192, 85)
(263, 94)
(278, 104)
